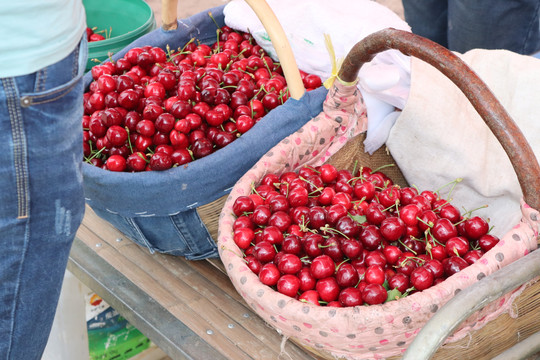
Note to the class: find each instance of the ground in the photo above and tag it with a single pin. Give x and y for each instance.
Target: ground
(188, 8)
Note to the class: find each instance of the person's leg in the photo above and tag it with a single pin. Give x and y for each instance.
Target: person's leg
(488, 24)
(428, 18)
(42, 201)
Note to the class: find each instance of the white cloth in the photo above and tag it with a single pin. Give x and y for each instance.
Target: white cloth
(440, 137)
(384, 82)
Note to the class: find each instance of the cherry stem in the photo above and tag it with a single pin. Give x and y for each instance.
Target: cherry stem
(327, 228)
(354, 167)
(382, 167)
(341, 263)
(408, 248)
(223, 247)
(97, 153)
(429, 224)
(453, 183)
(143, 157)
(468, 213)
(213, 19)
(427, 233)
(317, 189)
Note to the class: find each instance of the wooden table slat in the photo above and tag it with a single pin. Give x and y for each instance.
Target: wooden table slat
(187, 297)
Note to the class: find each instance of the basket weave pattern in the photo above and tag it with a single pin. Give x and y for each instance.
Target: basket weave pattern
(365, 332)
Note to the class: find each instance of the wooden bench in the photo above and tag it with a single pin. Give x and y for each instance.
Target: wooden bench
(189, 309)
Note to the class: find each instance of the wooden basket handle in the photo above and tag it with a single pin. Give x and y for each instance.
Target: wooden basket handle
(274, 29)
(477, 92)
(169, 14)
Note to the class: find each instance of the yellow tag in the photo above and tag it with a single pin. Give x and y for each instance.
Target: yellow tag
(336, 64)
(328, 42)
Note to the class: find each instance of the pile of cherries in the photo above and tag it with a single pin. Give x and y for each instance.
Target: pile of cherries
(154, 109)
(340, 238)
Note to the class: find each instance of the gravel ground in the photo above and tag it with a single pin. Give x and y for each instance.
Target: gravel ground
(188, 8)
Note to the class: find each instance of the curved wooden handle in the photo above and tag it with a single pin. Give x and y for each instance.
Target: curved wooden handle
(477, 92)
(281, 45)
(169, 13)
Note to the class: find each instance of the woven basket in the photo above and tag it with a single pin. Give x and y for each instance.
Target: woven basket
(178, 211)
(385, 331)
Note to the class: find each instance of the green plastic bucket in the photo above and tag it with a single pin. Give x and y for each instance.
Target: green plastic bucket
(126, 20)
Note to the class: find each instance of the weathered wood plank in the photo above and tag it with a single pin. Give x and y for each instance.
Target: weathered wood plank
(198, 294)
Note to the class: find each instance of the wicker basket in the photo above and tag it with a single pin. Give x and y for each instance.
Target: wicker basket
(177, 213)
(385, 331)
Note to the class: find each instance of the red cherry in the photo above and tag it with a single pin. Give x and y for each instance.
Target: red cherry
(116, 163)
(202, 147)
(457, 245)
(390, 196)
(146, 128)
(375, 275)
(436, 268)
(244, 123)
(269, 274)
(364, 190)
(261, 214)
(375, 214)
(371, 237)
(351, 248)
(165, 122)
(312, 81)
(347, 275)
(106, 83)
(264, 251)
(400, 282)
(288, 285)
(392, 228)
(374, 294)
(427, 219)
(421, 278)
(328, 289)
(289, 264)
(409, 214)
(155, 89)
(243, 237)
(243, 221)
(476, 227)
(271, 101)
(375, 257)
(272, 234)
(392, 254)
(310, 296)
(160, 161)
(450, 212)
(487, 242)
(322, 266)
(117, 135)
(453, 265)
(253, 264)
(136, 162)
(443, 229)
(406, 264)
(307, 281)
(350, 296)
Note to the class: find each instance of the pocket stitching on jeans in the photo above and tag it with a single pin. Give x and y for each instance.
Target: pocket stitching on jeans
(62, 91)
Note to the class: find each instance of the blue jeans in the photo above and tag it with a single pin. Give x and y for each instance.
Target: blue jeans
(462, 25)
(42, 201)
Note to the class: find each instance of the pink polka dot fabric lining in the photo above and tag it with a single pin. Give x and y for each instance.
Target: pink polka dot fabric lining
(362, 332)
